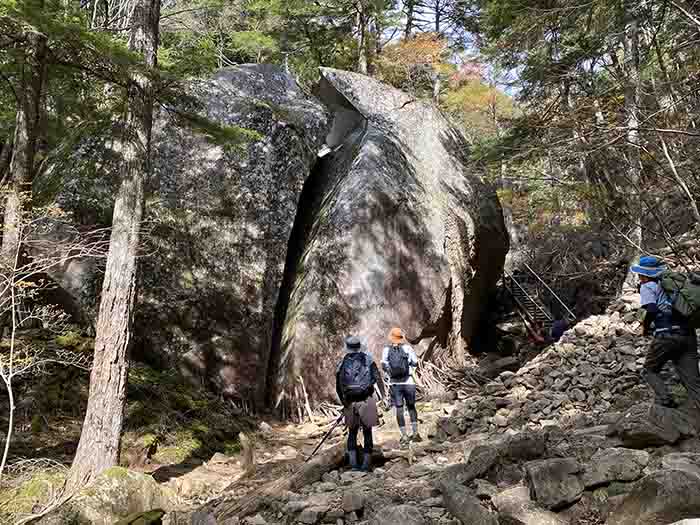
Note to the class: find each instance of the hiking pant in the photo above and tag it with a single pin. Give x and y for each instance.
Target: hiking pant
(366, 433)
(361, 414)
(682, 350)
(407, 393)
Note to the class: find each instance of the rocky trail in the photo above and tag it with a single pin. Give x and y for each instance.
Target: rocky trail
(569, 438)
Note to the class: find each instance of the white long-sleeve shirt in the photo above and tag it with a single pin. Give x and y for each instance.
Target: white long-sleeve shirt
(412, 364)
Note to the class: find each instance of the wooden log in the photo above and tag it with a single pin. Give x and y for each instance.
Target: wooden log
(307, 405)
(227, 507)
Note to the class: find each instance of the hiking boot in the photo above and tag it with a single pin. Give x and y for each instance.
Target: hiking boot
(352, 457)
(404, 441)
(416, 438)
(365, 462)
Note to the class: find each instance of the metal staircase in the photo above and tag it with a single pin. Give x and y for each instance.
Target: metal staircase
(531, 295)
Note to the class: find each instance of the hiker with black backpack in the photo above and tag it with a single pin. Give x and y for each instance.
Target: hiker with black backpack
(670, 303)
(399, 362)
(354, 383)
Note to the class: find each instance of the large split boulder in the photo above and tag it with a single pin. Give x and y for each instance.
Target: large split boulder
(223, 203)
(399, 231)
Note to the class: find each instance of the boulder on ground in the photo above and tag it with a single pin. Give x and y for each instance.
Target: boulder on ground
(687, 461)
(115, 494)
(664, 496)
(467, 508)
(615, 464)
(554, 483)
(481, 459)
(646, 426)
(398, 514)
(516, 508)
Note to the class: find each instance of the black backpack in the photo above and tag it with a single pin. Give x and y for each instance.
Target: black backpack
(398, 363)
(356, 377)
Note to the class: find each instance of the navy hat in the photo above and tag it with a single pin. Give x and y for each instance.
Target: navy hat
(352, 343)
(650, 266)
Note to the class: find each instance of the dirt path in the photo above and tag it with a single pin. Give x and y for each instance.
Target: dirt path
(279, 451)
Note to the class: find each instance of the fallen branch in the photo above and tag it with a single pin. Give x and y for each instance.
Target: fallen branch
(311, 472)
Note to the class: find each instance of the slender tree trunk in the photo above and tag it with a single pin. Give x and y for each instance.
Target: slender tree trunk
(632, 102)
(438, 17)
(5, 157)
(30, 105)
(362, 47)
(101, 434)
(410, 9)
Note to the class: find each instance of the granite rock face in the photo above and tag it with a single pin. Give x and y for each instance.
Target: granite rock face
(401, 232)
(219, 219)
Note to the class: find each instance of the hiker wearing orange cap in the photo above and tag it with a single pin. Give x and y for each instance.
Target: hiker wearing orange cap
(399, 362)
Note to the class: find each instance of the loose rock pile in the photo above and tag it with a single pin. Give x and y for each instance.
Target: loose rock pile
(588, 377)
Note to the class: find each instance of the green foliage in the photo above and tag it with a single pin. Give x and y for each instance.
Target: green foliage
(253, 45)
(20, 496)
(185, 421)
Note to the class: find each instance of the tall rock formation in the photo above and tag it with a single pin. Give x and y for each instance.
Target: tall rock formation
(395, 229)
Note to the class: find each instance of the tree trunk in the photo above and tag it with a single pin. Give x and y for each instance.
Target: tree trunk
(30, 102)
(101, 434)
(362, 47)
(410, 9)
(5, 157)
(632, 101)
(438, 17)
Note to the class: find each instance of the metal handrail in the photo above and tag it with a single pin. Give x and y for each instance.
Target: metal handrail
(573, 316)
(549, 317)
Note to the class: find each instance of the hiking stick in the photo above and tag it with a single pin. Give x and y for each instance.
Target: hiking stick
(330, 431)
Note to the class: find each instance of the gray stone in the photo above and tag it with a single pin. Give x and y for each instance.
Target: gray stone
(333, 515)
(433, 502)
(312, 515)
(686, 461)
(516, 508)
(326, 486)
(399, 514)
(294, 506)
(202, 518)
(484, 489)
(644, 426)
(615, 464)
(554, 483)
(524, 445)
(353, 500)
(351, 476)
(481, 459)
(462, 505)
(661, 497)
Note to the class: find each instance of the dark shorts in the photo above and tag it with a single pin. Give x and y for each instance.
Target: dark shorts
(399, 393)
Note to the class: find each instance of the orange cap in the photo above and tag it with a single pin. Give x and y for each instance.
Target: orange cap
(396, 336)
